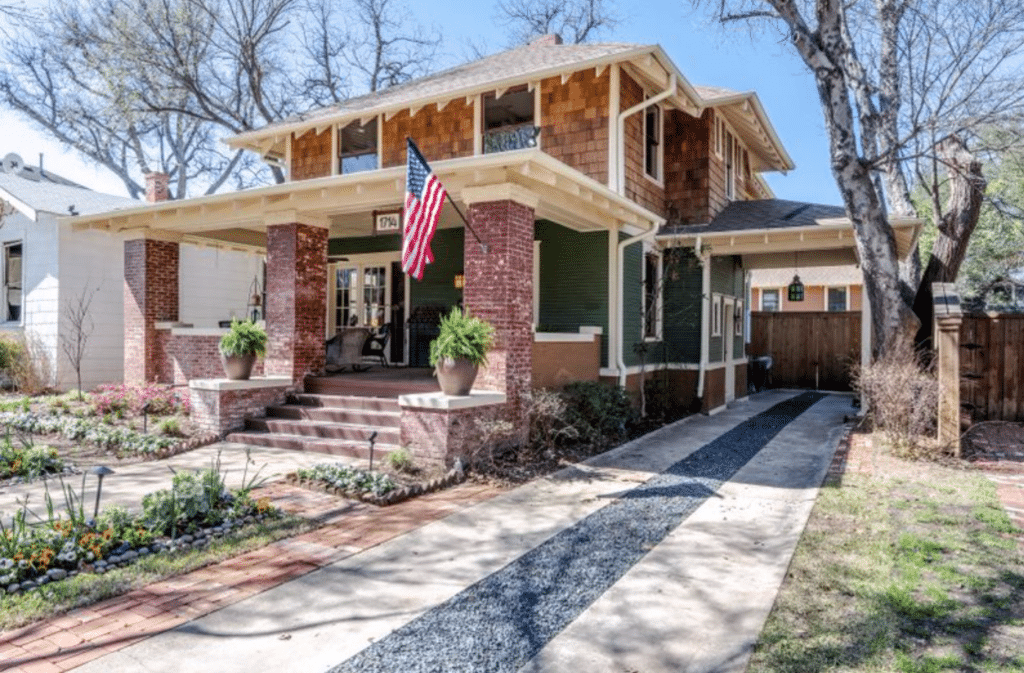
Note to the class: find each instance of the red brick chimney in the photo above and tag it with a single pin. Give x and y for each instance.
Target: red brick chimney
(548, 40)
(156, 187)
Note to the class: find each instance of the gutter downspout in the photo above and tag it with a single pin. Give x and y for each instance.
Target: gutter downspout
(617, 328)
(705, 317)
(620, 180)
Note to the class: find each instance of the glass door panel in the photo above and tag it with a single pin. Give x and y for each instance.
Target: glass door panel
(346, 297)
(374, 310)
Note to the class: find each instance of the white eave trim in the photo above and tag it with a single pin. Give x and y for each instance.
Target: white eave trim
(19, 205)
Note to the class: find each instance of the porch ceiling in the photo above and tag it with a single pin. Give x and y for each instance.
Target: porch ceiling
(828, 242)
(345, 203)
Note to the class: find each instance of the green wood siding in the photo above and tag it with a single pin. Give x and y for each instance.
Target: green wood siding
(438, 285)
(573, 280)
(682, 306)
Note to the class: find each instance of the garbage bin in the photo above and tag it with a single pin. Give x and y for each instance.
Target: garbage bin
(759, 373)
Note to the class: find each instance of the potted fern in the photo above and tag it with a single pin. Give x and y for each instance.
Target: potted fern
(460, 348)
(239, 348)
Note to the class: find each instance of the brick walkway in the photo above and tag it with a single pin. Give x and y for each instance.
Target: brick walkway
(85, 634)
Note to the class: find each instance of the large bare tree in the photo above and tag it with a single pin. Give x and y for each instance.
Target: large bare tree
(153, 85)
(906, 87)
(575, 21)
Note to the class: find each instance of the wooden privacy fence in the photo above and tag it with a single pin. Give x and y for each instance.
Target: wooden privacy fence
(992, 367)
(810, 349)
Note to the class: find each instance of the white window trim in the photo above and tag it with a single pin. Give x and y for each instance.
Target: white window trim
(3, 280)
(719, 135)
(660, 159)
(760, 297)
(659, 307)
(845, 289)
(338, 159)
(716, 314)
(536, 284)
(738, 325)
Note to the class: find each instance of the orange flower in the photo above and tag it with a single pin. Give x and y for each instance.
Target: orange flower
(108, 533)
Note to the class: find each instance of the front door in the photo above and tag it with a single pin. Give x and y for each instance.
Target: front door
(728, 340)
(361, 293)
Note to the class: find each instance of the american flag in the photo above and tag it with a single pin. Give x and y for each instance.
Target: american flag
(424, 196)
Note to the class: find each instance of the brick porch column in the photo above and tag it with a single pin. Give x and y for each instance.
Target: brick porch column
(150, 296)
(296, 310)
(499, 287)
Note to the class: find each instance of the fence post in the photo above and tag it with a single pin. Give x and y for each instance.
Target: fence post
(948, 317)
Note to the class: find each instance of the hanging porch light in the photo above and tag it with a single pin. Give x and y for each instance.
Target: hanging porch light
(796, 288)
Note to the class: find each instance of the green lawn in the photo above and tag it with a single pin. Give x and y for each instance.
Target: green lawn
(917, 571)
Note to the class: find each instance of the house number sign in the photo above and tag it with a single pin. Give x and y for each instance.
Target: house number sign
(387, 222)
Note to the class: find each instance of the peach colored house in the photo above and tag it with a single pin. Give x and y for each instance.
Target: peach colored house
(826, 288)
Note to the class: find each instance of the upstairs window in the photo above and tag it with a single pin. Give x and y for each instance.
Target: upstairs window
(508, 121)
(357, 147)
(730, 167)
(652, 142)
(12, 281)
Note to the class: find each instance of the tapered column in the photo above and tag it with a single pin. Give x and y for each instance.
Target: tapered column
(296, 310)
(150, 296)
(499, 287)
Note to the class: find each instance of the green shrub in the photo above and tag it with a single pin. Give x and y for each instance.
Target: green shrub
(195, 499)
(27, 460)
(12, 354)
(462, 336)
(245, 338)
(349, 478)
(601, 412)
(400, 460)
(170, 427)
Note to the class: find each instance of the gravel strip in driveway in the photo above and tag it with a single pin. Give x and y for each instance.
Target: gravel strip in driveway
(500, 622)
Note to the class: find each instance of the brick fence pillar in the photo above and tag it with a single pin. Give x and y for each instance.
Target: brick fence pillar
(499, 288)
(150, 296)
(296, 310)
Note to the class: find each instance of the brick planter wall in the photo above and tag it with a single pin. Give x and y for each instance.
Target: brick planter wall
(150, 296)
(187, 357)
(438, 435)
(221, 406)
(499, 289)
(296, 309)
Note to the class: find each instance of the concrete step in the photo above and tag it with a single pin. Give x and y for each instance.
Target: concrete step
(300, 412)
(347, 402)
(335, 447)
(318, 429)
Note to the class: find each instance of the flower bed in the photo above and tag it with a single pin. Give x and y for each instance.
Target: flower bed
(195, 510)
(27, 461)
(373, 487)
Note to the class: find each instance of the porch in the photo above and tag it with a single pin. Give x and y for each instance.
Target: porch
(332, 261)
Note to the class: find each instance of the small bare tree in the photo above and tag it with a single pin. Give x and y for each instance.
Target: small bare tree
(575, 21)
(74, 339)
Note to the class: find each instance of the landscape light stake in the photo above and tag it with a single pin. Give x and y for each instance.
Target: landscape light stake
(100, 471)
(145, 417)
(373, 438)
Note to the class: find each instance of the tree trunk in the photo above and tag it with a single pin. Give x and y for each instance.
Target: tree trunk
(963, 208)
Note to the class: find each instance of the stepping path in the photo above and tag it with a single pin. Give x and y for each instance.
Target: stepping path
(692, 597)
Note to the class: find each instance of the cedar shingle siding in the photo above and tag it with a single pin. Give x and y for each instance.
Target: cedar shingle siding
(639, 188)
(574, 124)
(311, 155)
(445, 134)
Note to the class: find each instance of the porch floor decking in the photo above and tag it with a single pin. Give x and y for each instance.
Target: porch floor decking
(376, 382)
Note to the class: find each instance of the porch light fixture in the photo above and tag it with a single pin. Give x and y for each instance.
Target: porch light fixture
(796, 288)
(460, 281)
(255, 300)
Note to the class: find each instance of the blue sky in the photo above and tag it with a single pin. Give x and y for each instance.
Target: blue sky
(704, 52)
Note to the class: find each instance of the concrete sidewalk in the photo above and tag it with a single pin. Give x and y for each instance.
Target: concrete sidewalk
(695, 602)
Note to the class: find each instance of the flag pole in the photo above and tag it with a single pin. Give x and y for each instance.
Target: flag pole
(483, 246)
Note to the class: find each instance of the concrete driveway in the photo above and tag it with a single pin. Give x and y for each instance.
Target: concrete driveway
(663, 555)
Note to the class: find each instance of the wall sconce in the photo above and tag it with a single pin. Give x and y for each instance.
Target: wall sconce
(460, 281)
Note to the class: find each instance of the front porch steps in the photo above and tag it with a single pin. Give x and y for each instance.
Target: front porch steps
(331, 424)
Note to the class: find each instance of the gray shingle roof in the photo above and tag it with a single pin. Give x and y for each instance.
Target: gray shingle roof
(761, 214)
(520, 62)
(55, 197)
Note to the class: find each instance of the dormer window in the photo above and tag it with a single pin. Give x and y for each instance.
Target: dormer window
(508, 121)
(652, 142)
(357, 147)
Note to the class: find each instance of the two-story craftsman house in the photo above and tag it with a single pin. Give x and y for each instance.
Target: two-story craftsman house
(617, 205)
